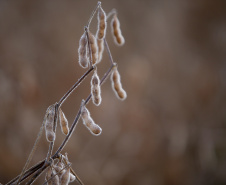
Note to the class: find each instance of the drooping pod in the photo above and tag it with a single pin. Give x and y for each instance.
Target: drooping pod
(102, 24)
(116, 84)
(100, 44)
(55, 178)
(65, 177)
(49, 123)
(63, 122)
(52, 177)
(94, 47)
(48, 175)
(89, 123)
(116, 31)
(72, 177)
(82, 51)
(59, 167)
(95, 89)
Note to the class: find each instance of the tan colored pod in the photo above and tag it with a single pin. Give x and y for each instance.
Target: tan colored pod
(72, 177)
(95, 89)
(100, 44)
(48, 175)
(55, 178)
(89, 123)
(59, 168)
(116, 84)
(102, 24)
(49, 123)
(65, 177)
(63, 122)
(116, 31)
(94, 47)
(51, 177)
(82, 51)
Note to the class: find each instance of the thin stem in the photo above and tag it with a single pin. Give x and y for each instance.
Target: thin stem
(28, 172)
(112, 12)
(94, 11)
(67, 94)
(37, 174)
(32, 152)
(109, 52)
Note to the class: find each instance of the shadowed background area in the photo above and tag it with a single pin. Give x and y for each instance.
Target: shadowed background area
(171, 129)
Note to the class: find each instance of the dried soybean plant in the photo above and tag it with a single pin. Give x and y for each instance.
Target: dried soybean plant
(57, 166)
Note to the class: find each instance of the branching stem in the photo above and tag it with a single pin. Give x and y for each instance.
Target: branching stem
(37, 169)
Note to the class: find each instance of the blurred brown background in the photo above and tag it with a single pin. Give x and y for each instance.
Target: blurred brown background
(171, 130)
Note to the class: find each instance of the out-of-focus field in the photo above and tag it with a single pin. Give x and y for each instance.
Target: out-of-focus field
(171, 130)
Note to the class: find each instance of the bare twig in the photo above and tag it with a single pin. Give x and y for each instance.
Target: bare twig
(68, 93)
(93, 13)
(32, 151)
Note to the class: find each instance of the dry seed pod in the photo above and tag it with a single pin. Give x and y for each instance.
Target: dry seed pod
(82, 51)
(102, 24)
(65, 177)
(116, 31)
(94, 48)
(63, 122)
(116, 84)
(60, 171)
(49, 123)
(95, 89)
(89, 123)
(51, 177)
(72, 177)
(59, 168)
(48, 175)
(100, 43)
(55, 178)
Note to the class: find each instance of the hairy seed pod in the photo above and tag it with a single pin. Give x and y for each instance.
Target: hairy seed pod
(48, 175)
(116, 84)
(94, 48)
(116, 31)
(100, 44)
(49, 123)
(65, 177)
(59, 168)
(72, 177)
(89, 123)
(102, 24)
(63, 122)
(82, 51)
(95, 89)
(55, 178)
(51, 177)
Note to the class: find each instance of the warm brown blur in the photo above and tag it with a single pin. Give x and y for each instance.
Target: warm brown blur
(171, 129)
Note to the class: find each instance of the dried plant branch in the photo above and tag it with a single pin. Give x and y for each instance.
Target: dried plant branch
(37, 169)
(68, 93)
(56, 155)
